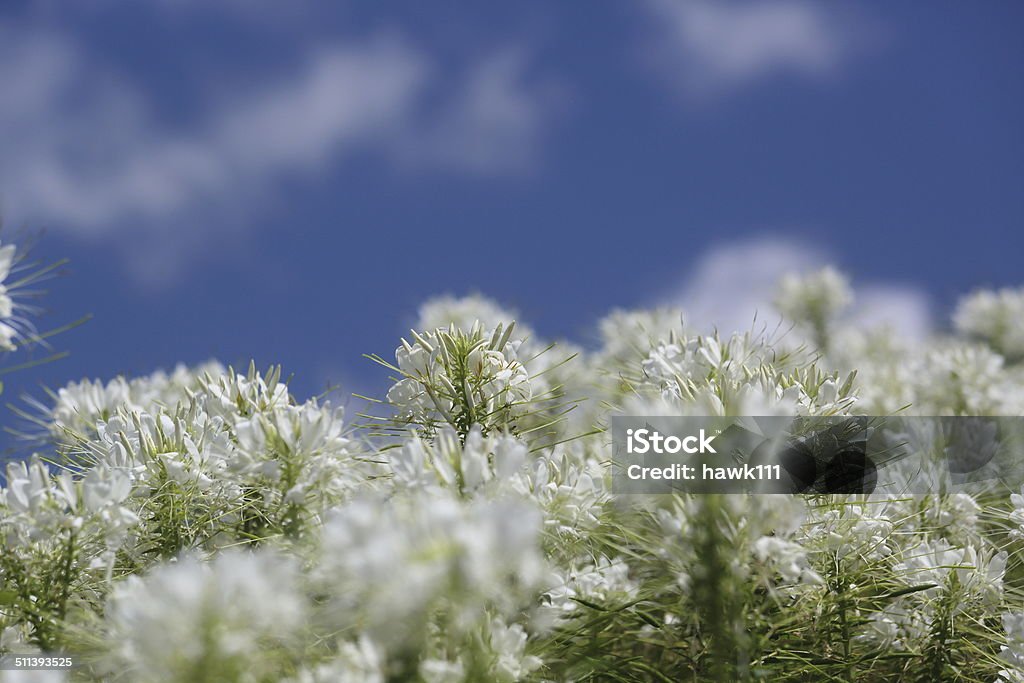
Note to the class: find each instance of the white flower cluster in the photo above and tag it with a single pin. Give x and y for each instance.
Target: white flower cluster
(996, 318)
(233, 614)
(42, 506)
(390, 564)
(203, 525)
(815, 299)
(80, 406)
(1013, 652)
(744, 375)
(460, 379)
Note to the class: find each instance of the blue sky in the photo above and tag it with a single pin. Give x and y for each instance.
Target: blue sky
(289, 181)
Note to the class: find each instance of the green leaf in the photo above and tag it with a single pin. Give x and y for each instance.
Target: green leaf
(907, 591)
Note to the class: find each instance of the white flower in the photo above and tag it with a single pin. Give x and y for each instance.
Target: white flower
(995, 317)
(787, 558)
(466, 468)
(743, 375)
(964, 379)
(39, 506)
(1016, 517)
(442, 671)
(28, 486)
(81, 406)
(461, 378)
(356, 662)
(602, 581)
(1013, 651)
(628, 336)
(507, 644)
(568, 482)
(388, 563)
(232, 614)
(814, 299)
(897, 626)
(979, 574)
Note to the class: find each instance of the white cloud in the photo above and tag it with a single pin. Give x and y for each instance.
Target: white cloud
(84, 149)
(343, 97)
(708, 47)
(732, 283)
(86, 154)
(494, 120)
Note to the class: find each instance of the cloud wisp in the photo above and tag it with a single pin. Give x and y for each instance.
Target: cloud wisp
(84, 150)
(732, 283)
(708, 48)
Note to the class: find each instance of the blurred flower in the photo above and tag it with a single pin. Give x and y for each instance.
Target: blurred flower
(389, 563)
(995, 317)
(1013, 652)
(234, 614)
(814, 300)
